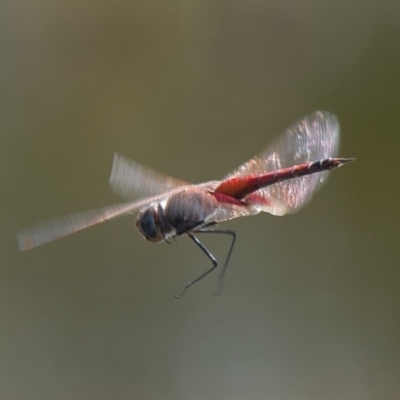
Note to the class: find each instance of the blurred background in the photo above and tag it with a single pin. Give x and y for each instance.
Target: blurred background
(194, 88)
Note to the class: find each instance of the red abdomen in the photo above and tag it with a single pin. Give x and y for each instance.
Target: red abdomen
(242, 186)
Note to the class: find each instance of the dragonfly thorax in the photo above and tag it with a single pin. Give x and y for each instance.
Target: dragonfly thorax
(180, 213)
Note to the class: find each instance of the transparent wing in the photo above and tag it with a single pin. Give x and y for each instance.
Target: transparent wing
(133, 181)
(47, 231)
(224, 208)
(312, 138)
(229, 211)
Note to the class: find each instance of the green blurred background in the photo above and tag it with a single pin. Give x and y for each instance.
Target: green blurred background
(194, 88)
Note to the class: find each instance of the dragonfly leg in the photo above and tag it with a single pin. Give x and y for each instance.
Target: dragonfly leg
(221, 276)
(209, 255)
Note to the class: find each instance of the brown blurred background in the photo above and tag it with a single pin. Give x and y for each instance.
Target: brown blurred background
(194, 88)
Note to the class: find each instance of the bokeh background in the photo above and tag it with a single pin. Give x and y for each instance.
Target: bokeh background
(194, 88)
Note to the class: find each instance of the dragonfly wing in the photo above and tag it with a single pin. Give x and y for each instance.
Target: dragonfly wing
(131, 180)
(47, 231)
(312, 138)
(225, 212)
(50, 230)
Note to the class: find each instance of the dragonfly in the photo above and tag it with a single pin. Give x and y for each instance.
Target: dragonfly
(280, 180)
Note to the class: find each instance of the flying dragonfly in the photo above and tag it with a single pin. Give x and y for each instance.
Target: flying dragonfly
(279, 180)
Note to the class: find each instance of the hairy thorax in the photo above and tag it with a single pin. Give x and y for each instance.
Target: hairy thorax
(188, 209)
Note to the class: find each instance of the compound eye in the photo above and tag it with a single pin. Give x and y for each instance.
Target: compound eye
(147, 224)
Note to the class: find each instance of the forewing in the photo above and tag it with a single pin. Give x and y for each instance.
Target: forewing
(133, 181)
(47, 231)
(312, 138)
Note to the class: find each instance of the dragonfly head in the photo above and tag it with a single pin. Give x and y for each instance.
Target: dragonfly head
(148, 225)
